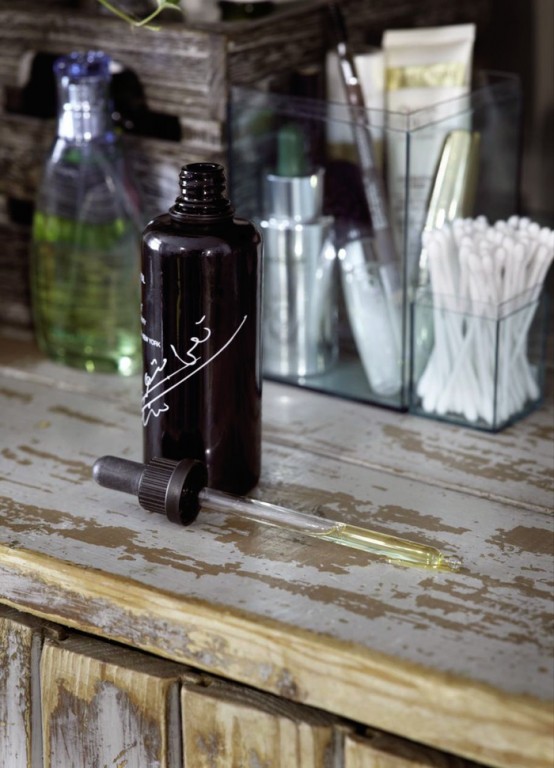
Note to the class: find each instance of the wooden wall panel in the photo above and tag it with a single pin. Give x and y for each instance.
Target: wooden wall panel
(108, 706)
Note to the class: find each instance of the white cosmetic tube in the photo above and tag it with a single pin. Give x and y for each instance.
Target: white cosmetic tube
(424, 68)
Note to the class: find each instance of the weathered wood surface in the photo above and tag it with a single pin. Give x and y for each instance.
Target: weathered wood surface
(186, 69)
(462, 662)
(102, 704)
(378, 750)
(107, 706)
(21, 641)
(226, 726)
(20, 734)
(14, 271)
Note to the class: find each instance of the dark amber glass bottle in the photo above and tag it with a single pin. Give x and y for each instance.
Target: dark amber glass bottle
(201, 304)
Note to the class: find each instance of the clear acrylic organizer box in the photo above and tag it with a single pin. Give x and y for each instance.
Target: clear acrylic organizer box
(478, 364)
(331, 320)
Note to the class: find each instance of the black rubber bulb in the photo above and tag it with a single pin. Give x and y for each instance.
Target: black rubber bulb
(163, 485)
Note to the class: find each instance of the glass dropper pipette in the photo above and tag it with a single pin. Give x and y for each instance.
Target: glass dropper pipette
(177, 489)
(376, 543)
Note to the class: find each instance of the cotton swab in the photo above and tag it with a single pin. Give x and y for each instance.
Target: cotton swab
(485, 283)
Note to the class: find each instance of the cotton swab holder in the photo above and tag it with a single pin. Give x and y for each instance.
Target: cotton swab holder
(485, 348)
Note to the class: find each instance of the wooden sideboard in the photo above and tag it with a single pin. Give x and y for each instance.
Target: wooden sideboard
(130, 642)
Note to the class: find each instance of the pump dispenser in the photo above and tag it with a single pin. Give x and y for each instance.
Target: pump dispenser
(201, 294)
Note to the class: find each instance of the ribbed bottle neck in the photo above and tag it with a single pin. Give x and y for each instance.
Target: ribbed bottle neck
(202, 195)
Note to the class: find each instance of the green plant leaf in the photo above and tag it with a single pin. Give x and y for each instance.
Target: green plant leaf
(146, 21)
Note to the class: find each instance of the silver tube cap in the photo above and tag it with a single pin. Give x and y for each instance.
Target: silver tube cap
(296, 198)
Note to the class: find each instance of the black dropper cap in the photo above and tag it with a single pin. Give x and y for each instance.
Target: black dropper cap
(163, 485)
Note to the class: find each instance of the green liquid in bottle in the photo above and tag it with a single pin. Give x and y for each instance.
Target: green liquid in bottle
(86, 288)
(85, 251)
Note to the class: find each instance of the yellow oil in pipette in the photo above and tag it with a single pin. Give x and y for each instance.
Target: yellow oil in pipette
(393, 548)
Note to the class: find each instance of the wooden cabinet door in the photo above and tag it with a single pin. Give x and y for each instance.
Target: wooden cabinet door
(227, 726)
(20, 647)
(103, 705)
(379, 750)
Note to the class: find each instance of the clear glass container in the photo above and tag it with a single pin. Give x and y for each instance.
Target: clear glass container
(370, 307)
(475, 363)
(85, 256)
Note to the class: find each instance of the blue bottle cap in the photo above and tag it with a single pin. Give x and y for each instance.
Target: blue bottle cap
(82, 64)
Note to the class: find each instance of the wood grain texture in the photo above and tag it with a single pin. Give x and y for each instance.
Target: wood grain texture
(462, 662)
(21, 640)
(24, 143)
(103, 705)
(15, 311)
(378, 750)
(184, 70)
(20, 732)
(513, 467)
(227, 726)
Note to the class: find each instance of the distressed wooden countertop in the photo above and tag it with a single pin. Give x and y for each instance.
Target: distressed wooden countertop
(460, 661)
